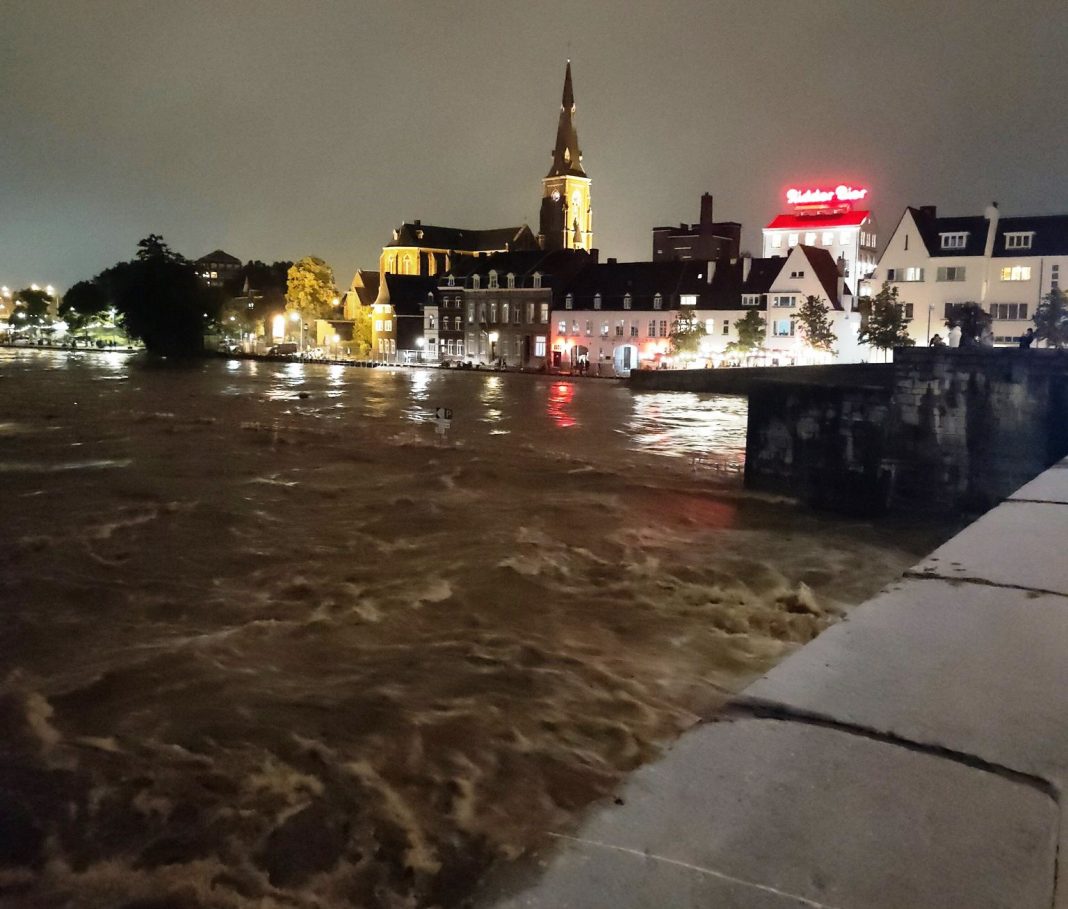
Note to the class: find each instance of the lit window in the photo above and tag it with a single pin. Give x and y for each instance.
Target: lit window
(951, 273)
(378, 324)
(810, 238)
(452, 281)
(782, 302)
(504, 313)
(604, 329)
(792, 240)
(626, 305)
(574, 327)
(596, 301)
(387, 325)
(1015, 240)
(783, 328)
(537, 280)
(476, 282)
(492, 279)
(569, 302)
(511, 280)
(539, 346)
(845, 237)
(545, 313)
(828, 238)
(776, 241)
(1016, 273)
(710, 326)
(904, 274)
(954, 240)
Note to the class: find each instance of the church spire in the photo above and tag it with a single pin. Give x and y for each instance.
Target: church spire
(567, 158)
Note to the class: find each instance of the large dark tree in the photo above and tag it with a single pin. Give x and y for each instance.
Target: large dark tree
(85, 302)
(1051, 319)
(972, 320)
(31, 307)
(161, 300)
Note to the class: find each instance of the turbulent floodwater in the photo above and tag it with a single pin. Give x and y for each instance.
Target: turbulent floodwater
(269, 640)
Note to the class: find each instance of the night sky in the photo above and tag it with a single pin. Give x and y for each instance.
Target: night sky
(276, 129)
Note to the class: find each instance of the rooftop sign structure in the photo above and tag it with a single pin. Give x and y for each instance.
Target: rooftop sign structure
(818, 201)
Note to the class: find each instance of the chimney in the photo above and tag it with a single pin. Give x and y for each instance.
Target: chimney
(841, 266)
(711, 271)
(931, 211)
(612, 261)
(418, 223)
(706, 209)
(991, 215)
(747, 263)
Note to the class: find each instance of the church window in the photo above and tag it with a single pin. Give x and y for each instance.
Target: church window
(626, 303)
(511, 281)
(537, 280)
(492, 279)
(596, 301)
(391, 264)
(407, 265)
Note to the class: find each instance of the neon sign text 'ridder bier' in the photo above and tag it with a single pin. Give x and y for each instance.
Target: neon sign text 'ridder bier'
(840, 193)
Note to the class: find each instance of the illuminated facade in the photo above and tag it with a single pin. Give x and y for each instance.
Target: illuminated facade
(1006, 265)
(836, 220)
(425, 250)
(566, 211)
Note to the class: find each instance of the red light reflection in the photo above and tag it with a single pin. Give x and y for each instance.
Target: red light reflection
(560, 397)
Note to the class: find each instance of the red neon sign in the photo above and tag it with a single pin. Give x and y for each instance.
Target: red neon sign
(825, 198)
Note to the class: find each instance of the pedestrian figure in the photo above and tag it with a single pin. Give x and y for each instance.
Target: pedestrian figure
(937, 341)
(954, 336)
(1027, 338)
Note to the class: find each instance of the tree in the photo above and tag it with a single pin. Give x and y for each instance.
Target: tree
(752, 329)
(885, 326)
(972, 321)
(361, 331)
(686, 332)
(310, 289)
(814, 324)
(160, 298)
(1051, 319)
(85, 302)
(31, 307)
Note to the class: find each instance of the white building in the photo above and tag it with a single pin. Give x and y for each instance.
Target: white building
(1006, 265)
(836, 220)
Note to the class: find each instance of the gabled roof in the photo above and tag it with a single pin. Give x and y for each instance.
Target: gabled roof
(762, 274)
(223, 258)
(429, 236)
(408, 293)
(818, 222)
(1050, 235)
(931, 228)
(826, 269)
(365, 286)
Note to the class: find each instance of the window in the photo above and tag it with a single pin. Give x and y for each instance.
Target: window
(596, 301)
(471, 312)
(429, 320)
(828, 238)
(663, 329)
(574, 327)
(387, 325)
(1009, 311)
(569, 302)
(378, 324)
(710, 326)
(810, 238)
(517, 345)
(604, 329)
(652, 328)
(492, 279)
(1054, 277)
(482, 313)
(452, 281)
(493, 312)
(1016, 273)
(619, 329)
(537, 280)
(634, 329)
(726, 326)
(516, 315)
(951, 273)
(750, 299)
(955, 240)
(459, 348)
(539, 346)
(626, 303)
(476, 282)
(782, 302)
(407, 265)
(530, 314)
(845, 237)
(511, 281)
(904, 274)
(783, 328)
(544, 313)
(797, 274)
(589, 328)
(791, 240)
(906, 310)
(1019, 239)
(561, 327)
(504, 314)
(776, 241)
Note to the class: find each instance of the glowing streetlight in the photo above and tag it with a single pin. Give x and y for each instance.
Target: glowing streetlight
(295, 316)
(50, 290)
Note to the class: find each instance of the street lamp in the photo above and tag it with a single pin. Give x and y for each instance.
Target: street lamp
(930, 309)
(296, 317)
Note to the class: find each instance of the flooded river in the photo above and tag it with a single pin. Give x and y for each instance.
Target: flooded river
(271, 640)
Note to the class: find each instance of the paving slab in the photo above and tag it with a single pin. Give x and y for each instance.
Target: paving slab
(975, 669)
(824, 815)
(1050, 486)
(1019, 544)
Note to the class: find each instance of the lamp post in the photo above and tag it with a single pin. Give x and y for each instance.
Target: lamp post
(930, 309)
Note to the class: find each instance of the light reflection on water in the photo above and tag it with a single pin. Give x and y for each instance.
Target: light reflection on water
(561, 396)
(684, 424)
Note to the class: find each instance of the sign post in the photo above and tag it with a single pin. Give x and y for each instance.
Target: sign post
(442, 419)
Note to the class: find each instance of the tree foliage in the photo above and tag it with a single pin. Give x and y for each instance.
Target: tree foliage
(884, 326)
(361, 331)
(752, 330)
(310, 289)
(686, 332)
(1051, 319)
(31, 307)
(972, 321)
(85, 302)
(814, 324)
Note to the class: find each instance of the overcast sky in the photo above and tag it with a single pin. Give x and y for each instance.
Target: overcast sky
(281, 128)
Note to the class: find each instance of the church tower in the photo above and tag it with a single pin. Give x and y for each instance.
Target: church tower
(566, 215)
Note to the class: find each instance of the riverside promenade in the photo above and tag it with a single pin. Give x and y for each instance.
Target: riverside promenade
(913, 755)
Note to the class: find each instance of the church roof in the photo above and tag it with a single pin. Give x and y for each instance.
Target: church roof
(567, 157)
(428, 236)
(222, 258)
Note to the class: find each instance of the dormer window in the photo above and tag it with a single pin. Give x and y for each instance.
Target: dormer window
(476, 282)
(569, 302)
(626, 301)
(1020, 239)
(493, 279)
(956, 240)
(658, 301)
(511, 281)
(452, 281)
(596, 301)
(537, 280)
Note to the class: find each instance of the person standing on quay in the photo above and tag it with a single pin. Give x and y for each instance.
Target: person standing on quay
(1027, 338)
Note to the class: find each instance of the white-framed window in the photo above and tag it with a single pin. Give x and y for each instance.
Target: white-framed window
(504, 314)
(387, 325)
(791, 240)
(589, 328)
(710, 326)
(619, 329)
(492, 279)
(597, 301)
(470, 312)
(955, 240)
(904, 274)
(634, 329)
(1009, 311)
(810, 238)
(797, 274)
(539, 345)
(561, 327)
(783, 328)
(782, 301)
(604, 329)
(658, 302)
(845, 237)
(652, 328)
(750, 299)
(511, 281)
(951, 273)
(663, 328)
(1016, 273)
(828, 238)
(378, 324)
(452, 280)
(544, 314)
(1019, 239)
(429, 320)
(476, 282)
(776, 241)
(569, 302)
(537, 280)
(626, 303)
(459, 348)
(726, 326)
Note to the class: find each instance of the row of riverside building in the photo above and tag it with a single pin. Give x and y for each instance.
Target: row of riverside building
(516, 299)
